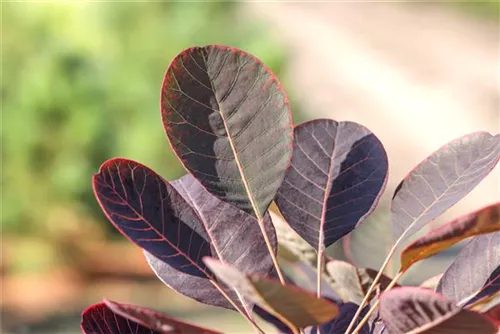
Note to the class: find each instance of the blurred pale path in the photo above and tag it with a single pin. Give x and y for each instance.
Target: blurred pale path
(417, 75)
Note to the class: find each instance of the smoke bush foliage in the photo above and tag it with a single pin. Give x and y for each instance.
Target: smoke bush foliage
(209, 235)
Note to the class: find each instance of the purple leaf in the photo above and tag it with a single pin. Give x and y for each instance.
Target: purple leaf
(115, 318)
(441, 180)
(151, 213)
(177, 213)
(99, 319)
(229, 122)
(475, 273)
(235, 238)
(417, 310)
(336, 177)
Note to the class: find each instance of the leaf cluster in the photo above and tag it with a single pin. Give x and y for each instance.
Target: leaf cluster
(209, 234)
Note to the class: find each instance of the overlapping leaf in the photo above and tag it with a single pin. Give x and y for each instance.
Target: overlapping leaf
(432, 282)
(415, 310)
(293, 306)
(175, 212)
(350, 282)
(483, 221)
(475, 273)
(229, 122)
(337, 174)
(115, 318)
(150, 212)
(441, 180)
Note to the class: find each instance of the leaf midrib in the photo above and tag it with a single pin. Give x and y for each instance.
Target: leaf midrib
(233, 148)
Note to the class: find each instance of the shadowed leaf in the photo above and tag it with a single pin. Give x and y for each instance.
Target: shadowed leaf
(235, 238)
(441, 180)
(483, 221)
(416, 310)
(336, 176)
(293, 306)
(229, 122)
(115, 318)
(475, 273)
(350, 282)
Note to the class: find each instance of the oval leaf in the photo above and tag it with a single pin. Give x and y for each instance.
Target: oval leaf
(475, 273)
(352, 283)
(441, 180)
(293, 306)
(483, 221)
(336, 176)
(415, 310)
(229, 122)
(115, 318)
(151, 213)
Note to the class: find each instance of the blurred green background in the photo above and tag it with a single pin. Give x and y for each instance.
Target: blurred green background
(81, 84)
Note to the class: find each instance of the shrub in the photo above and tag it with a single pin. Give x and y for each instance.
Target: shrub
(209, 234)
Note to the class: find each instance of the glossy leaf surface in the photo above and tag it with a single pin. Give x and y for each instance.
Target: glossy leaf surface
(475, 271)
(229, 122)
(151, 213)
(336, 176)
(483, 221)
(350, 282)
(441, 180)
(416, 310)
(291, 305)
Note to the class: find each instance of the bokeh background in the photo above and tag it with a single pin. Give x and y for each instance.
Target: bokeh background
(80, 84)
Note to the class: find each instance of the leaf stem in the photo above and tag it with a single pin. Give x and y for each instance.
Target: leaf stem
(243, 313)
(372, 286)
(320, 269)
(377, 302)
(271, 251)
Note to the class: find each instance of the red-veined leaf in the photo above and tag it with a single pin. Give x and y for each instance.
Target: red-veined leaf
(154, 319)
(115, 318)
(151, 213)
(336, 176)
(413, 310)
(293, 306)
(475, 273)
(441, 180)
(232, 235)
(483, 221)
(229, 122)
